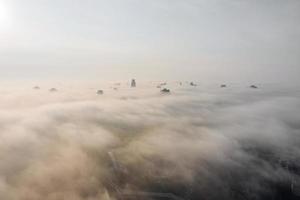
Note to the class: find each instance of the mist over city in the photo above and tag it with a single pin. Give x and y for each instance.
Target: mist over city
(149, 100)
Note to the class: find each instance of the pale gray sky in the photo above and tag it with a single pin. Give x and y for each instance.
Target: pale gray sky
(210, 40)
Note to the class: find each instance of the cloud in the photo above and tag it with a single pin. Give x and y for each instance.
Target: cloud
(199, 143)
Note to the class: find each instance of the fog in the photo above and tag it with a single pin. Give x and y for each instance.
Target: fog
(69, 133)
(201, 142)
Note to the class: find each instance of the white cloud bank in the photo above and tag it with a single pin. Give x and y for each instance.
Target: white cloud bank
(196, 143)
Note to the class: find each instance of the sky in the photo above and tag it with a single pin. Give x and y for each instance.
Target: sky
(202, 40)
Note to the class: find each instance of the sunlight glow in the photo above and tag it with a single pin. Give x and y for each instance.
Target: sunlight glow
(4, 16)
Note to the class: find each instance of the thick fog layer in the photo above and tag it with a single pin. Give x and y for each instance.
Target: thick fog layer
(197, 142)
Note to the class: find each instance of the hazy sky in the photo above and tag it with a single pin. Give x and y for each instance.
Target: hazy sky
(216, 40)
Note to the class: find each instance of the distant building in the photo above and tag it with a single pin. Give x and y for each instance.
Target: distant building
(133, 83)
(53, 90)
(193, 84)
(100, 92)
(165, 90)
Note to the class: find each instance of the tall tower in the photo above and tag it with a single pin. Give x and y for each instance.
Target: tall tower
(133, 83)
